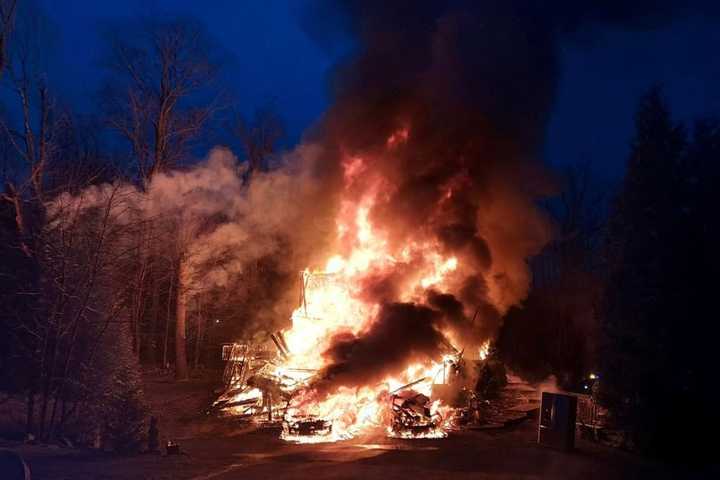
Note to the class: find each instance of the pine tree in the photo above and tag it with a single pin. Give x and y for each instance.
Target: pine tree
(117, 405)
(653, 359)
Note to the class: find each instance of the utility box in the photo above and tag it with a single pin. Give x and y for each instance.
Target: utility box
(557, 421)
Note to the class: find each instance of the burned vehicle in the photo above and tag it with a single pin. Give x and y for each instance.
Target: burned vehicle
(307, 427)
(413, 415)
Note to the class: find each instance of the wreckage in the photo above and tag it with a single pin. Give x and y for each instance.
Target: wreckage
(413, 415)
(255, 383)
(260, 389)
(269, 382)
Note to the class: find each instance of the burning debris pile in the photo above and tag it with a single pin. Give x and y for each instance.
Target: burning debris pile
(418, 225)
(269, 381)
(415, 416)
(255, 385)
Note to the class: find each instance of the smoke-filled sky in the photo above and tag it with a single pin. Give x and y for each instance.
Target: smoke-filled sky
(421, 124)
(602, 72)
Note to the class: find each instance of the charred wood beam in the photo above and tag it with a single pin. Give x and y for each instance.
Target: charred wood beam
(411, 384)
(279, 346)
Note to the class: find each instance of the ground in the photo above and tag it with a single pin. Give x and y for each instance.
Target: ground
(223, 449)
(497, 454)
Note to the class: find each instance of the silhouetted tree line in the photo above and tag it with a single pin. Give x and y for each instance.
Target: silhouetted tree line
(88, 297)
(90, 293)
(659, 306)
(555, 330)
(627, 291)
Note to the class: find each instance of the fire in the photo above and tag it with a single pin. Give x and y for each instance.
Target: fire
(441, 268)
(400, 136)
(333, 303)
(484, 350)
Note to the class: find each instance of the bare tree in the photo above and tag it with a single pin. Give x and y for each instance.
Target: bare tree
(33, 135)
(159, 101)
(72, 292)
(579, 215)
(187, 227)
(259, 137)
(80, 302)
(181, 308)
(7, 23)
(582, 207)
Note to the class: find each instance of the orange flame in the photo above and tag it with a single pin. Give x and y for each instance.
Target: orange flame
(332, 304)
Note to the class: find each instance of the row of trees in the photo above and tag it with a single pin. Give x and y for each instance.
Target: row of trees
(626, 289)
(91, 289)
(555, 330)
(658, 308)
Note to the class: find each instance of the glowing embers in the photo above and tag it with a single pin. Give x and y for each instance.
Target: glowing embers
(257, 384)
(306, 427)
(265, 386)
(297, 386)
(415, 416)
(484, 350)
(350, 413)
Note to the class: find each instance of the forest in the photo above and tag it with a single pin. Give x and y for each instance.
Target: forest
(145, 236)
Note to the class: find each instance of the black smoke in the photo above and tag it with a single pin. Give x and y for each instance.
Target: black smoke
(366, 359)
(473, 82)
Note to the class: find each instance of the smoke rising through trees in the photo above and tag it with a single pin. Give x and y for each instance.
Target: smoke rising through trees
(446, 103)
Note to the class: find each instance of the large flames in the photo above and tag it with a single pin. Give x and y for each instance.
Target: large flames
(332, 303)
(335, 304)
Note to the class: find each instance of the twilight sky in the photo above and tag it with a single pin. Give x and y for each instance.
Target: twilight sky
(271, 57)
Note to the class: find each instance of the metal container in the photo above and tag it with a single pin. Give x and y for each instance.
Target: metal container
(557, 421)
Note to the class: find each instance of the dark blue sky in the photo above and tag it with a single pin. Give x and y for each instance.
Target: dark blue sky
(601, 84)
(272, 58)
(269, 57)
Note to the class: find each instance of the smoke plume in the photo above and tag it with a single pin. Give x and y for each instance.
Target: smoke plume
(435, 124)
(356, 361)
(439, 116)
(215, 223)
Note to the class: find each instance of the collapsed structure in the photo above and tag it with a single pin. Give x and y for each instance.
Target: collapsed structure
(269, 382)
(259, 388)
(418, 217)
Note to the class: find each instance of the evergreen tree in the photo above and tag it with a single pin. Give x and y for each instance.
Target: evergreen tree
(654, 359)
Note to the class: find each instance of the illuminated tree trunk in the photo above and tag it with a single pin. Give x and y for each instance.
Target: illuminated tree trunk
(200, 335)
(181, 365)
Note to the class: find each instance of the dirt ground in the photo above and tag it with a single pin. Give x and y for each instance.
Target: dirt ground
(224, 449)
(498, 454)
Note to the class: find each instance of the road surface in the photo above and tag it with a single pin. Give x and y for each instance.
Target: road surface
(499, 454)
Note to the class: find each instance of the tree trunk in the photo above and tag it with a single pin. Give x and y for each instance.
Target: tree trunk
(199, 337)
(138, 307)
(30, 412)
(151, 340)
(167, 321)
(181, 364)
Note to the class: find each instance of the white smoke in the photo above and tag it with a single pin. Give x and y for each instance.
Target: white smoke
(208, 215)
